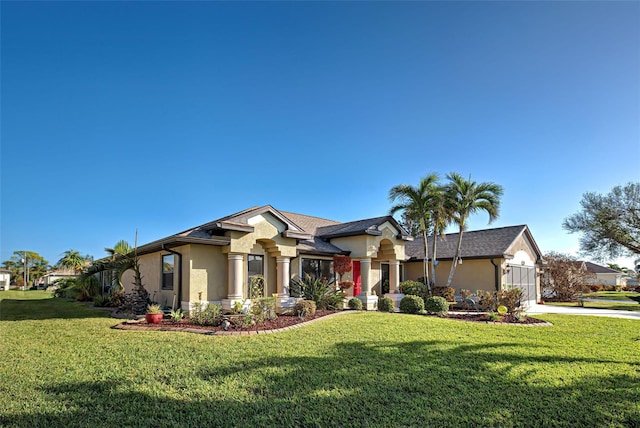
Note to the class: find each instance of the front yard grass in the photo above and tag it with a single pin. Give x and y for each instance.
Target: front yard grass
(613, 295)
(622, 306)
(63, 366)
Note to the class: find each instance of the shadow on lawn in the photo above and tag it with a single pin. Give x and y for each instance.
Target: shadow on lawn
(424, 383)
(43, 309)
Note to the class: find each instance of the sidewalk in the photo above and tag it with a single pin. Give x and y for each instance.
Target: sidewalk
(566, 310)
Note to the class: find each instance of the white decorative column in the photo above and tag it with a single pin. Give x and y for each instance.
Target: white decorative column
(394, 282)
(369, 302)
(283, 300)
(235, 281)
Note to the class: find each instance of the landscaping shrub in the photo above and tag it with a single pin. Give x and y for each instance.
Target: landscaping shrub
(486, 300)
(449, 293)
(355, 304)
(412, 304)
(564, 279)
(102, 300)
(437, 305)
(594, 288)
(176, 315)
(609, 288)
(206, 313)
(511, 299)
(319, 290)
(305, 308)
(264, 309)
(413, 288)
(385, 304)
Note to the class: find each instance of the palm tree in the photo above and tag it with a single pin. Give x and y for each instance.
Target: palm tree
(465, 197)
(121, 249)
(441, 216)
(73, 260)
(417, 203)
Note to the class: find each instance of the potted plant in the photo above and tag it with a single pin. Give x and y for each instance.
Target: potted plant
(154, 314)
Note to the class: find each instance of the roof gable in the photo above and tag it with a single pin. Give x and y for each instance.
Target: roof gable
(368, 226)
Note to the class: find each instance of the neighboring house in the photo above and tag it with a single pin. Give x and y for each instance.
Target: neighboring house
(53, 275)
(215, 262)
(491, 259)
(5, 279)
(604, 275)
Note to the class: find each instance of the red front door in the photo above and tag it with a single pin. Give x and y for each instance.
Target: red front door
(357, 280)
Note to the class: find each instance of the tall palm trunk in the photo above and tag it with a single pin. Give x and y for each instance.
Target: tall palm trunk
(454, 263)
(433, 259)
(425, 262)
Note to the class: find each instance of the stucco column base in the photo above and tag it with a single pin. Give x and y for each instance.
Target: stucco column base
(285, 303)
(369, 303)
(396, 299)
(227, 304)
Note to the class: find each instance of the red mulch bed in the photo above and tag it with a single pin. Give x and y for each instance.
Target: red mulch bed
(507, 319)
(281, 322)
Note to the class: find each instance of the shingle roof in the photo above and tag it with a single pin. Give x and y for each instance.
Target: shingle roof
(594, 268)
(319, 246)
(308, 223)
(358, 227)
(475, 244)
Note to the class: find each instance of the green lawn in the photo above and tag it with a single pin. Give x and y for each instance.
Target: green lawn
(613, 295)
(622, 306)
(62, 365)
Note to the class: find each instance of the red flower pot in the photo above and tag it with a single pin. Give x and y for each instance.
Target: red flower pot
(153, 318)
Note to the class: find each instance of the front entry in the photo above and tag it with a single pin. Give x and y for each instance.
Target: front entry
(357, 279)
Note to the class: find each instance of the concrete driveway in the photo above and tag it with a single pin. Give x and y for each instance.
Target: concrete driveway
(548, 309)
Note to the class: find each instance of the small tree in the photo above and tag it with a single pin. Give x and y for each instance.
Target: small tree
(564, 278)
(341, 265)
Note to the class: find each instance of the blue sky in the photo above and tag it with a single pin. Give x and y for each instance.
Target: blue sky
(119, 116)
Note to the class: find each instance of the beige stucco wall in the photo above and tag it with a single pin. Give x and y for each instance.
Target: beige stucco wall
(268, 229)
(385, 246)
(471, 274)
(207, 272)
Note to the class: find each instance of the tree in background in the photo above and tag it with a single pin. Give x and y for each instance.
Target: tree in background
(417, 203)
(564, 278)
(610, 224)
(73, 260)
(36, 266)
(464, 198)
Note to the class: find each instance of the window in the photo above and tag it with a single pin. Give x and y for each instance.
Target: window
(255, 274)
(318, 268)
(168, 265)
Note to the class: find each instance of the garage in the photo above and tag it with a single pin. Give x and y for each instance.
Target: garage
(523, 277)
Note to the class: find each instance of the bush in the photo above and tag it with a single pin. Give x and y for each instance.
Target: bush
(305, 308)
(511, 299)
(355, 304)
(413, 288)
(411, 304)
(486, 300)
(449, 293)
(385, 304)
(609, 288)
(264, 309)
(176, 315)
(101, 301)
(206, 313)
(594, 288)
(437, 305)
(319, 290)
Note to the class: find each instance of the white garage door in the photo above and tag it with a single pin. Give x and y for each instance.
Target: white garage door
(524, 277)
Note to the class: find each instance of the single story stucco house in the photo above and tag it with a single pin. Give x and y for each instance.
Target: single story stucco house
(603, 275)
(214, 262)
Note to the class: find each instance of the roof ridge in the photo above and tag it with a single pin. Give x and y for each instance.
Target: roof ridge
(310, 216)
